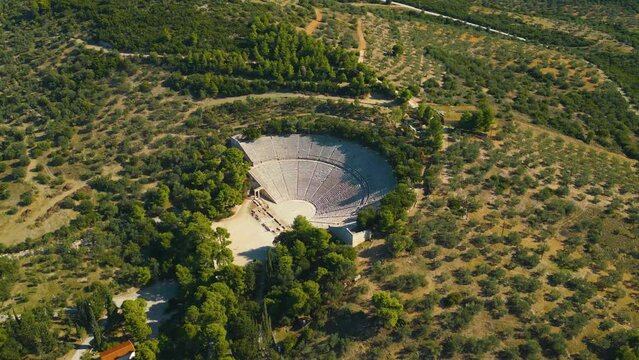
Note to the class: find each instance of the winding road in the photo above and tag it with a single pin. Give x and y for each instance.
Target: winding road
(431, 13)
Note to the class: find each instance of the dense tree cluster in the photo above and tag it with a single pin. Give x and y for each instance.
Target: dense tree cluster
(169, 26)
(218, 53)
(306, 269)
(391, 215)
(601, 106)
(204, 176)
(30, 333)
(283, 53)
(479, 121)
(276, 56)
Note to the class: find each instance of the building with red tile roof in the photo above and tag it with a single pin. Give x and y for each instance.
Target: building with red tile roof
(123, 351)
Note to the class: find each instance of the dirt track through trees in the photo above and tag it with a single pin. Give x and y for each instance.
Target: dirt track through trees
(361, 41)
(310, 28)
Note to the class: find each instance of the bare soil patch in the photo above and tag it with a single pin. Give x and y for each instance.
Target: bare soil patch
(361, 41)
(310, 28)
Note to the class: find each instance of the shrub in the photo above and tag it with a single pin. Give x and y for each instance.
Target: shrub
(525, 284)
(408, 282)
(388, 308)
(452, 299)
(26, 199)
(381, 271)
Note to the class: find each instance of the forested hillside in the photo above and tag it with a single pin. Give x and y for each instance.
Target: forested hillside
(512, 233)
(226, 49)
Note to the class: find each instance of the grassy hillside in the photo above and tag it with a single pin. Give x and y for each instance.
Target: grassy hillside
(525, 247)
(570, 88)
(609, 43)
(513, 239)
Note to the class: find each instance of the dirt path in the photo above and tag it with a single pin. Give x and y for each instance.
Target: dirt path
(80, 42)
(361, 41)
(81, 348)
(283, 95)
(310, 28)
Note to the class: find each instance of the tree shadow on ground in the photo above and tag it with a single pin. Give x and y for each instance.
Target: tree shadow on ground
(259, 253)
(351, 324)
(374, 252)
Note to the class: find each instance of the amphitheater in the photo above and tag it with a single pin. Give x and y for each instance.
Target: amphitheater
(323, 178)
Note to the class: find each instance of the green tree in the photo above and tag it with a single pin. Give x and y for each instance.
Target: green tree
(40, 6)
(33, 330)
(205, 321)
(431, 180)
(436, 133)
(387, 308)
(300, 299)
(479, 121)
(251, 133)
(157, 199)
(147, 350)
(4, 191)
(210, 246)
(89, 311)
(18, 173)
(135, 275)
(404, 96)
(530, 350)
(184, 277)
(9, 271)
(134, 312)
(398, 242)
(366, 217)
(26, 198)
(398, 49)
(425, 112)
